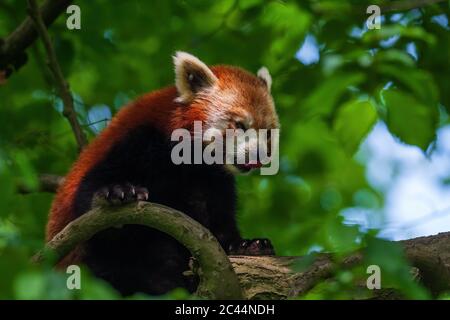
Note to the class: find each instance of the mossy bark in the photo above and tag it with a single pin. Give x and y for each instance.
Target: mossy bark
(247, 277)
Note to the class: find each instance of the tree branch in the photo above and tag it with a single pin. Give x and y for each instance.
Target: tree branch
(259, 277)
(217, 278)
(276, 278)
(360, 10)
(19, 40)
(403, 5)
(60, 81)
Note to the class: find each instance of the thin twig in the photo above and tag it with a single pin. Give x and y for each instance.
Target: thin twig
(386, 7)
(220, 27)
(46, 183)
(60, 81)
(407, 5)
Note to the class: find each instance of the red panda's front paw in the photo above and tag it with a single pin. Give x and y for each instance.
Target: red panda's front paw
(253, 247)
(121, 194)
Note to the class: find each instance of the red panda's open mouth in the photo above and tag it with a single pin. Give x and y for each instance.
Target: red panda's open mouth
(246, 167)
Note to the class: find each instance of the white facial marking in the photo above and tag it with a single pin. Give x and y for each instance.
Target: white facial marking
(219, 104)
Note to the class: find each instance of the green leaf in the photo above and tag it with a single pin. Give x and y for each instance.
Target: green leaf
(395, 56)
(7, 186)
(247, 4)
(395, 269)
(288, 23)
(342, 238)
(412, 121)
(30, 285)
(419, 82)
(65, 53)
(353, 123)
(331, 7)
(409, 32)
(324, 98)
(26, 170)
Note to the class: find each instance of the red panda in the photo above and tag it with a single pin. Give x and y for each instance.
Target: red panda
(130, 161)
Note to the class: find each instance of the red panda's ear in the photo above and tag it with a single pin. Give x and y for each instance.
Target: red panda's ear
(263, 74)
(191, 76)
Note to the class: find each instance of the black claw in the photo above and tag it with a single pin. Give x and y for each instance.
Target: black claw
(123, 193)
(141, 194)
(254, 247)
(103, 192)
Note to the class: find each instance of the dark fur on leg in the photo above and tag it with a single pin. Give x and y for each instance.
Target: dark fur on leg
(137, 258)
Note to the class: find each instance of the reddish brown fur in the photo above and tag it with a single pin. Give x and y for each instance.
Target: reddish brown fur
(153, 108)
(253, 95)
(159, 110)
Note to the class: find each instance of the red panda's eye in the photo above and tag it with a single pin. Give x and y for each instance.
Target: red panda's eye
(240, 125)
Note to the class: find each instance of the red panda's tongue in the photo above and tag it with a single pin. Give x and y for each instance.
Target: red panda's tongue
(252, 165)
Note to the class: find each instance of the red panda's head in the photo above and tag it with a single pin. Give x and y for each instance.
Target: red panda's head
(224, 97)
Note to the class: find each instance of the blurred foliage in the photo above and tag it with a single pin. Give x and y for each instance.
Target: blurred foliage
(398, 74)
